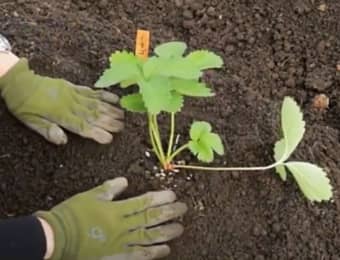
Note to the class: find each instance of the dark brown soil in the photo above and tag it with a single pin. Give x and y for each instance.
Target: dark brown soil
(271, 49)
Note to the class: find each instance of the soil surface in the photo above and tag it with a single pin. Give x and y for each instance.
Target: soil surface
(271, 49)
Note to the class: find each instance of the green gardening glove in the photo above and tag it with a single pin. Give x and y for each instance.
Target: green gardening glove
(47, 105)
(90, 226)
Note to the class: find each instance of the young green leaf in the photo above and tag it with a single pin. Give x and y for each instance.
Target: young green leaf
(215, 142)
(133, 103)
(203, 142)
(124, 67)
(204, 60)
(198, 129)
(124, 57)
(156, 94)
(312, 180)
(171, 49)
(203, 152)
(293, 126)
(175, 103)
(191, 88)
(128, 83)
(170, 67)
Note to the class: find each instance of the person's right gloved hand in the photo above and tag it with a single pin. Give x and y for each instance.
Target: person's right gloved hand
(90, 226)
(47, 105)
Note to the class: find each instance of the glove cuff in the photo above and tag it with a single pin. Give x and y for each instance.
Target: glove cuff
(19, 67)
(59, 232)
(17, 80)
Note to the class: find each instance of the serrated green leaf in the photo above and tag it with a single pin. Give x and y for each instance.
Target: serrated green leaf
(194, 148)
(293, 126)
(156, 94)
(170, 67)
(203, 142)
(133, 103)
(171, 49)
(191, 88)
(312, 180)
(279, 151)
(198, 128)
(175, 103)
(120, 57)
(214, 141)
(204, 60)
(128, 83)
(124, 67)
(203, 152)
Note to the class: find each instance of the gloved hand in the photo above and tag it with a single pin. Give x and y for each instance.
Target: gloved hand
(90, 226)
(45, 105)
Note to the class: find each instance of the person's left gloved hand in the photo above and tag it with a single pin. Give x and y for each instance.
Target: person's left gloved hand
(90, 226)
(47, 105)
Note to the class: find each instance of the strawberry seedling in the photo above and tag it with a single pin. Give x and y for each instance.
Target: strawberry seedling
(164, 80)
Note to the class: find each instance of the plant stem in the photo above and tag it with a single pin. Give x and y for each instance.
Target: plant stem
(152, 139)
(202, 168)
(171, 138)
(178, 151)
(154, 133)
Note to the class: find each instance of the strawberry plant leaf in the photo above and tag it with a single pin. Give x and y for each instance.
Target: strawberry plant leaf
(203, 152)
(171, 49)
(312, 180)
(175, 103)
(156, 94)
(279, 151)
(120, 57)
(203, 142)
(191, 88)
(214, 141)
(204, 60)
(175, 67)
(124, 66)
(128, 83)
(198, 128)
(133, 103)
(293, 126)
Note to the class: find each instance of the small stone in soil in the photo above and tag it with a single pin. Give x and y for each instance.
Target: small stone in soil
(321, 102)
(322, 7)
(200, 206)
(338, 67)
(147, 154)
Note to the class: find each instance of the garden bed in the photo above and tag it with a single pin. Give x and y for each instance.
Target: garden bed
(271, 49)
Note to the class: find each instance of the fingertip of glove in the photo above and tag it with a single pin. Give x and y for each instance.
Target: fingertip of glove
(56, 135)
(120, 182)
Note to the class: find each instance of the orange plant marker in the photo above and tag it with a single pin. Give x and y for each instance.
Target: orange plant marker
(142, 44)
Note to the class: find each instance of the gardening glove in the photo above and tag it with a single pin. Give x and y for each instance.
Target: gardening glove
(47, 105)
(90, 226)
